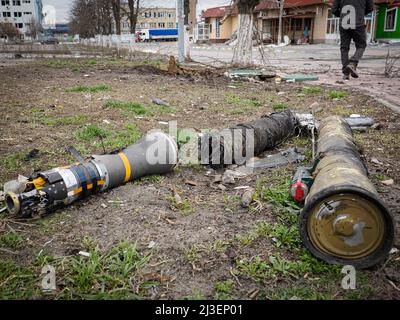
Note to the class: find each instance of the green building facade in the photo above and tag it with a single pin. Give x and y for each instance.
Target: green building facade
(388, 22)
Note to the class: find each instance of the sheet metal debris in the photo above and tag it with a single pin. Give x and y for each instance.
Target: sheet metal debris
(258, 74)
(283, 158)
(299, 78)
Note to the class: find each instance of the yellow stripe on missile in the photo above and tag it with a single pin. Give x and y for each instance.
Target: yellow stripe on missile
(127, 165)
(39, 183)
(79, 190)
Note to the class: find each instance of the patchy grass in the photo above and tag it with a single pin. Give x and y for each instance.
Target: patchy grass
(103, 275)
(60, 64)
(280, 234)
(16, 282)
(90, 89)
(297, 293)
(334, 94)
(129, 134)
(11, 240)
(183, 206)
(231, 202)
(381, 177)
(78, 119)
(91, 62)
(279, 196)
(312, 90)
(155, 179)
(260, 268)
(341, 111)
(243, 105)
(13, 161)
(223, 290)
(199, 251)
(157, 109)
(133, 107)
(116, 139)
(91, 132)
(280, 106)
(194, 296)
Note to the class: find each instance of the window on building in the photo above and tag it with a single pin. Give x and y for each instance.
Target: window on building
(170, 25)
(6, 14)
(154, 14)
(16, 2)
(153, 25)
(19, 25)
(26, 1)
(218, 27)
(5, 2)
(27, 13)
(391, 19)
(297, 24)
(161, 25)
(17, 14)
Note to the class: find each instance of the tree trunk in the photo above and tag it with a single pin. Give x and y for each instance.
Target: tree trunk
(243, 53)
(280, 31)
(133, 14)
(116, 6)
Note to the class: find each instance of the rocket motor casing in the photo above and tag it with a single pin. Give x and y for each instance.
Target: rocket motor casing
(156, 153)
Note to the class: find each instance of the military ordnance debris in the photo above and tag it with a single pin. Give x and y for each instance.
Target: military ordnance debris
(238, 144)
(344, 220)
(44, 192)
(301, 184)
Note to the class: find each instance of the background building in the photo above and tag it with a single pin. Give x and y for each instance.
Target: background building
(304, 21)
(160, 18)
(388, 20)
(25, 15)
(222, 21)
(152, 18)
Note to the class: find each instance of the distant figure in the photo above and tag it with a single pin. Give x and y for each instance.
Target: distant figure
(306, 34)
(352, 27)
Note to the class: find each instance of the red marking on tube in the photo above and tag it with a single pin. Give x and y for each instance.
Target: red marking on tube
(299, 190)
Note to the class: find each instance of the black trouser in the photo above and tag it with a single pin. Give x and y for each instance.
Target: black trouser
(359, 36)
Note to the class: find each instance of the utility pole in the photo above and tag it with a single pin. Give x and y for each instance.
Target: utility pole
(181, 31)
(280, 31)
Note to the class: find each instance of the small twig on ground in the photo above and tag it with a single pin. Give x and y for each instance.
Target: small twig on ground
(390, 70)
(235, 277)
(393, 285)
(9, 251)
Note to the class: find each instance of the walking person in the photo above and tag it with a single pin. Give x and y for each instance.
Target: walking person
(352, 27)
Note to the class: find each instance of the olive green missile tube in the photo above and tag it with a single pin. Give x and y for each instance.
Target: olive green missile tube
(344, 221)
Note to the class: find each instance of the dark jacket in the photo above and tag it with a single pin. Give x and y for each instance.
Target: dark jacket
(362, 8)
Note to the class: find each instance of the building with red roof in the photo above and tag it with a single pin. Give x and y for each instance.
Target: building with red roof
(222, 22)
(304, 21)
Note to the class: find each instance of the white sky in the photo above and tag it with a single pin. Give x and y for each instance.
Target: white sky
(63, 6)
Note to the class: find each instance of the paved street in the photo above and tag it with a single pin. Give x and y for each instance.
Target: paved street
(321, 59)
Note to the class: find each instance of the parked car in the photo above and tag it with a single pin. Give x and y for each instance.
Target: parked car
(49, 40)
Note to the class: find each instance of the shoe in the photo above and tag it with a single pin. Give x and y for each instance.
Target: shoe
(346, 77)
(352, 68)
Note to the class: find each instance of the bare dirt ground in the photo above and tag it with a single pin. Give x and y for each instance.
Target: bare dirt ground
(208, 248)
